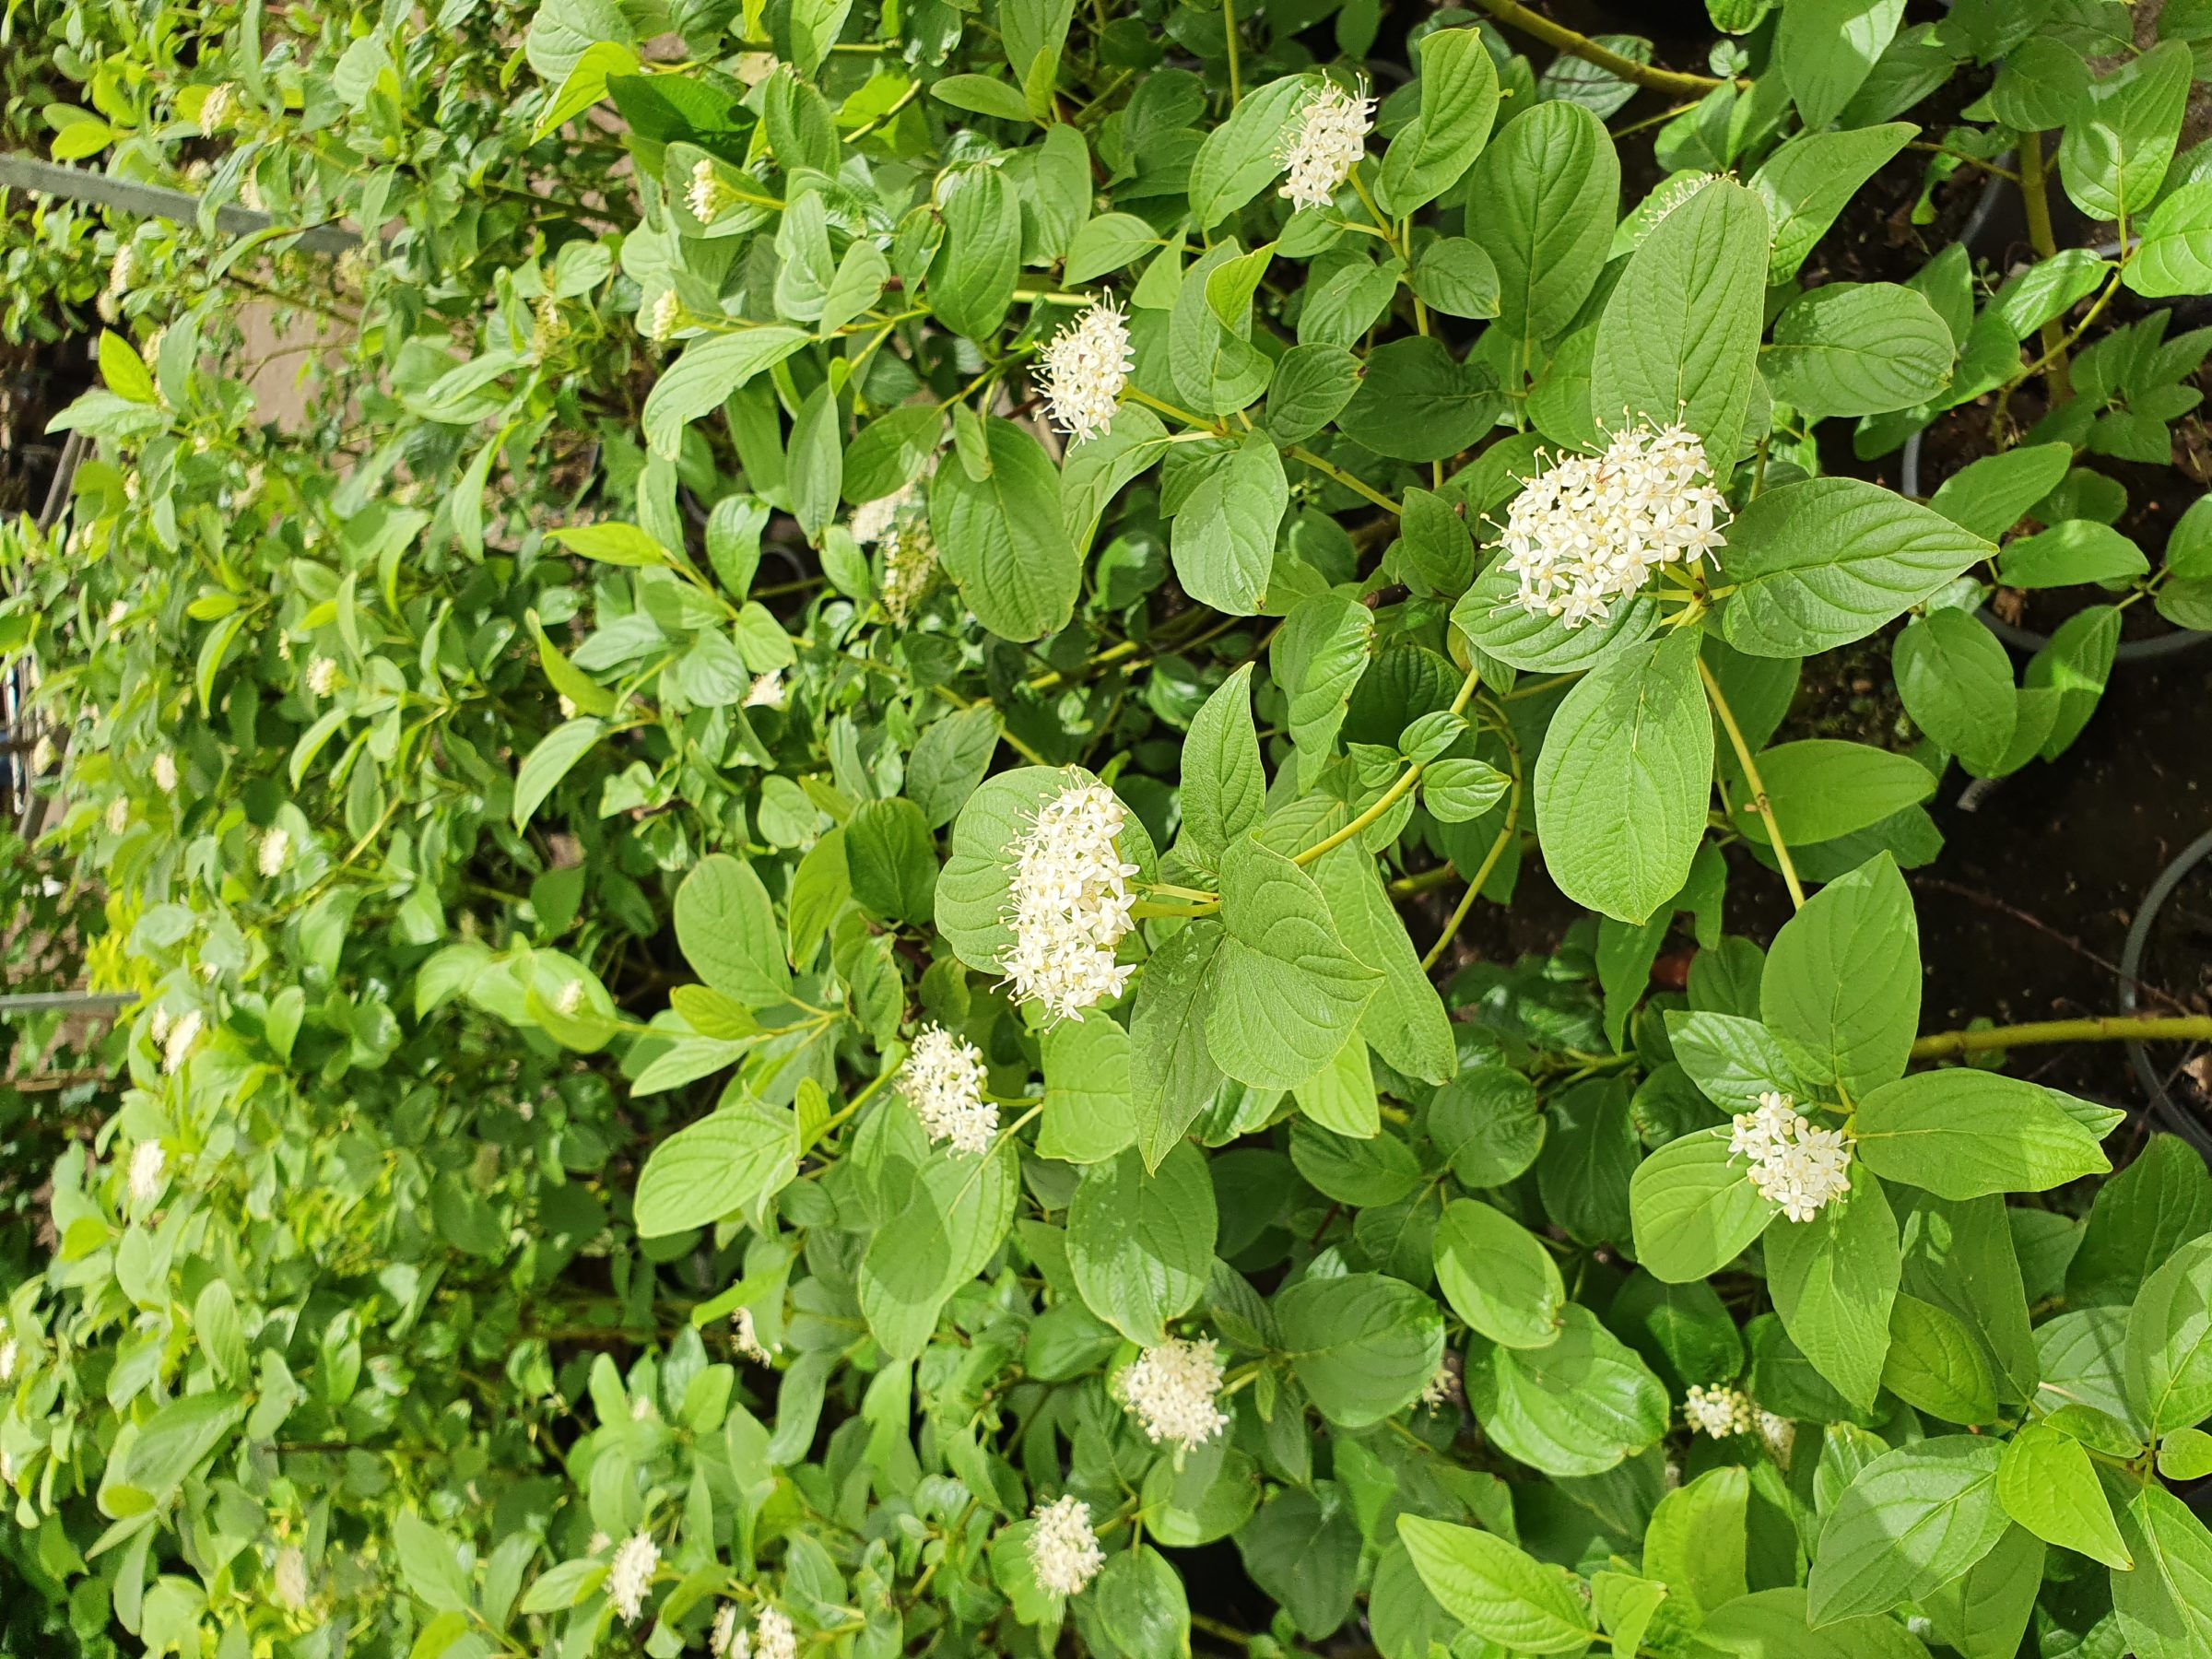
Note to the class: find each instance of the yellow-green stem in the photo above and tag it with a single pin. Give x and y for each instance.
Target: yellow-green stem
(1759, 787)
(1562, 39)
(2111, 1028)
(1395, 793)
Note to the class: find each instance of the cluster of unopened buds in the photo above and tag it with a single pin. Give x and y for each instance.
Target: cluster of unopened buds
(1591, 529)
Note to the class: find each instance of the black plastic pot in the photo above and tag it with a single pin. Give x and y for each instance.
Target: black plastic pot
(2172, 1113)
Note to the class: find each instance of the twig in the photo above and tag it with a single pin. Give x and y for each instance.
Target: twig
(1565, 39)
(2110, 1027)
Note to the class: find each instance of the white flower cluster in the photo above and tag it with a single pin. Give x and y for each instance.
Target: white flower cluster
(276, 851)
(728, 1638)
(944, 1079)
(177, 1041)
(214, 109)
(1064, 1550)
(1444, 1388)
(748, 1336)
(10, 1352)
(147, 1161)
(1590, 529)
(773, 1636)
(1171, 1391)
(899, 524)
(288, 1578)
(1797, 1166)
(1719, 1412)
(1779, 1433)
(1085, 367)
(1071, 903)
(322, 676)
(1329, 142)
(767, 691)
(165, 773)
(119, 815)
(630, 1577)
(708, 197)
(662, 318)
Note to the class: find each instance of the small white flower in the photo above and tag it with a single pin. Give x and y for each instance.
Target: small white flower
(119, 815)
(10, 1352)
(7, 1468)
(598, 1545)
(322, 676)
(289, 1581)
(766, 691)
(1719, 1412)
(748, 1336)
(276, 851)
(943, 1077)
(353, 270)
(568, 706)
(630, 1579)
(707, 195)
(122, 270)
(1779, 1433)
(1064, 1549)
(1086, 368)
(147, 1161)
(1171, 1391)
(183, 1036)
(1799, 1167)
(729, 1640)
(666, 313)
(1591, 529)
(773, 1636)
(165, 773)
(1330, 141)
(118, 611)
(214, 109)
(42, 756)
(250, 197)
(567, 999)
(157, 1027)
(1444, 1388)
(1071, 903)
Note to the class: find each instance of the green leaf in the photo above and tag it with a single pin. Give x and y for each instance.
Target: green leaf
(1420, 403)
(1318, 657)
(2169, 1354)
(1820, 788)
(1106, 244)
(1141, 1245)
(1549, 190)
(123, 371)
(1459, 101)
(543, 767)
(1340, 1097)
(1963, 1133)
(1434, 541)
(1858, 348)
(431, 1563)
(1826, 49)
(1808, 181)
(1989, 496)
(1242, 157)
(1003, 537)
(1913, 1520)
(2048, 1484)
(1842, 988)
(1455, 276)
(1824, 561)
(710, 368)
(1311, 387)
(1362, 1172)
(1696, 1210)
(1495, 621)
(2185, 1455)
(1286, 992)
(1224, 786)
(1497, 1590)
(2175, 254)
(1140, 1604)
(1579, 1406)
(1935, 1366)
(1621, 786)
(2138, 1220)
(1956, 681)
(1088, 1111)
(1732, 1060)
(2069, 554)
(1172, 1073)
(2165, 1605)
(1695, 1541)
(1303, 1549)
(1834, 1282)
(984, 95)
(2114, 153)
(1363, 1345)
(715, 1168)
(892, 862)
(972, 281)
(1678, 340)
(1498, 1275)
(727, 930)
(1224, 536)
